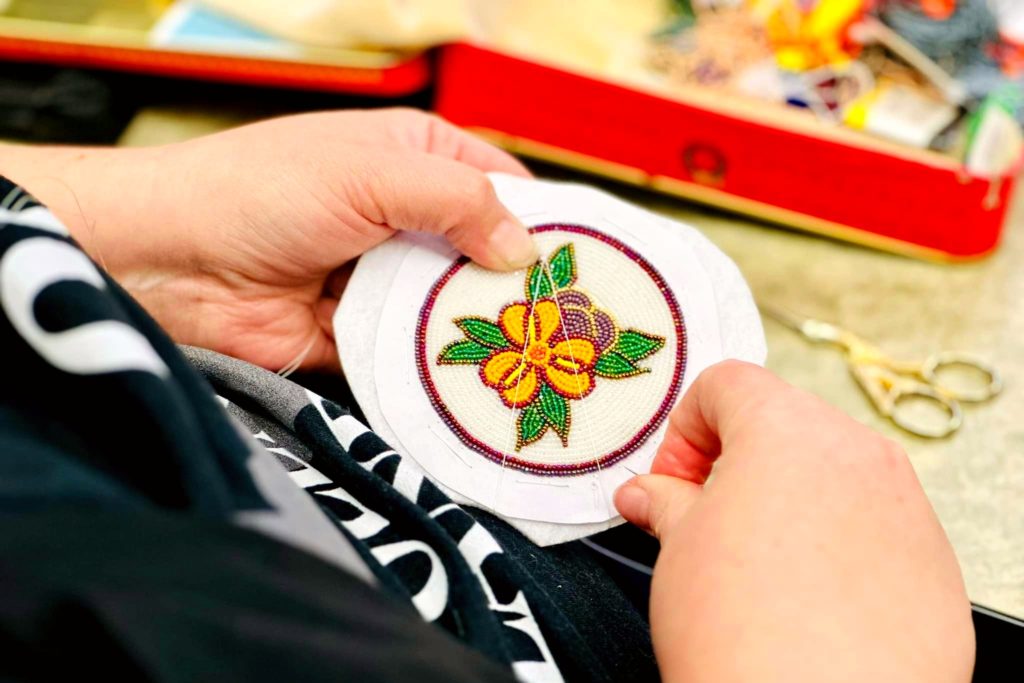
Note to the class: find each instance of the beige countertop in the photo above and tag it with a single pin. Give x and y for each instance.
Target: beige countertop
(910, 308)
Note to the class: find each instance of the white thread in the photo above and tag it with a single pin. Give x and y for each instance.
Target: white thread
(515, 400)
(579, 392)
(296, 362)
(621, 559)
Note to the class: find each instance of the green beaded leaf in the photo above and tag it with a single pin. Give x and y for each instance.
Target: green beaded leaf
(483, 331)
(538, 284)
(555, 409)
(634, 345)
(615, 366)
(563, 266)
(531, 424)
(463, 352)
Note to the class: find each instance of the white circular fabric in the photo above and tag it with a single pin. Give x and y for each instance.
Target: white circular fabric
(408, 302)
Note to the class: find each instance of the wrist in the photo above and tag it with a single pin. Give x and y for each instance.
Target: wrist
(115, 204)
(102, 195)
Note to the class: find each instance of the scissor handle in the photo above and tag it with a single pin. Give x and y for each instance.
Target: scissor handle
(936, 362)
(954, 415)
(887, 390)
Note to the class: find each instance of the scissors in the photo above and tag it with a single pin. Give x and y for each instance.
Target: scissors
(890, 383)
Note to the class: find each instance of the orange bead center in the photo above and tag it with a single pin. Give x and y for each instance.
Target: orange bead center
(538, 354)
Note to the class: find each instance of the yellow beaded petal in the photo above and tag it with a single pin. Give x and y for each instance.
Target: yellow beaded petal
(499, 366)
(523, 391)
(580, 351)
(569, 384)
(513, 324)
(546, 319)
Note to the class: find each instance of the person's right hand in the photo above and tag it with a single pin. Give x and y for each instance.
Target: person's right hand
(811, 555)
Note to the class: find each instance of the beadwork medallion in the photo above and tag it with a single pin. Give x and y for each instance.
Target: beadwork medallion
(573, 365)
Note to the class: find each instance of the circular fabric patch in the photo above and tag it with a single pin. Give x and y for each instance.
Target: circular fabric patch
(563, 371)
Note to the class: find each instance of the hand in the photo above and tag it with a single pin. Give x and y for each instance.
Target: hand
(236, 241)
(811, 555)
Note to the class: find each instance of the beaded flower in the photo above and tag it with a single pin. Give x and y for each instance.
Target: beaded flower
(549, 349)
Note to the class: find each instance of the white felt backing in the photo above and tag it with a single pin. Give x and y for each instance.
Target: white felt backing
(376, 322)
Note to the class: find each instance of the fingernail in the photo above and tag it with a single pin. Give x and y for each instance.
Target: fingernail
(633, 503)
(512, 243)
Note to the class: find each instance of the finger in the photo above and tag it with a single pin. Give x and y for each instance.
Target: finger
(323, 313)
(416, 191)
(322, 356)
(412, 128)
(677, 457)
(709, 414)
(335, 283)
(656, 503)
(447, 140)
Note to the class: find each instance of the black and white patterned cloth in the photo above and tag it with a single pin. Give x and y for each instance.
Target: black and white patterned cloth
(109, 435)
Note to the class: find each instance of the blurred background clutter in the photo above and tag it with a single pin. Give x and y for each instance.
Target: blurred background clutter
(888, 124)
(922, 91)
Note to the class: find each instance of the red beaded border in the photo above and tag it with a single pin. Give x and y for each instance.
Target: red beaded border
(544, 468)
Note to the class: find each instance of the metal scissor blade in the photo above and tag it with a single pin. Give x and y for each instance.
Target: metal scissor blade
(779, 315)
(814, 330)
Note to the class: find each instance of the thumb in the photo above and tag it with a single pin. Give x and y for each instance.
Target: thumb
(415, 191)
(655, 502)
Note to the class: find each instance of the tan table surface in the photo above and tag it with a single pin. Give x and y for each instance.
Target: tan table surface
(910, 308)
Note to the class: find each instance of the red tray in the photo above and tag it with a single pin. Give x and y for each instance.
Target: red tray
(391, 78)
(783, 167)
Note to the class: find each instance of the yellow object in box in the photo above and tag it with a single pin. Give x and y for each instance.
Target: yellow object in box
(805, 40)
(902, 114)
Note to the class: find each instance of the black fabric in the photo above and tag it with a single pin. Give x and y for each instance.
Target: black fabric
(174, 598)
(165, 439)
(589, 624)
(123, 486)
(466, 611)
(123, 483)
(628, 555)
(590, 621)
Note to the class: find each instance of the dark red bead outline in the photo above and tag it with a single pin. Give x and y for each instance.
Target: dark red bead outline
(544, 468)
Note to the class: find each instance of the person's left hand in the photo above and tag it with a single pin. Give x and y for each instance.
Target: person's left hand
(237, 241)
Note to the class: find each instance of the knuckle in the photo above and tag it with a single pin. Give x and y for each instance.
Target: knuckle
(733, 371)
(663, 519)
(880, 459)
(433, 118)
(406, 113)
(412, 121)
(757, 387)
(889, 454)
(431, 123)
(479, 192)
(670, 502)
